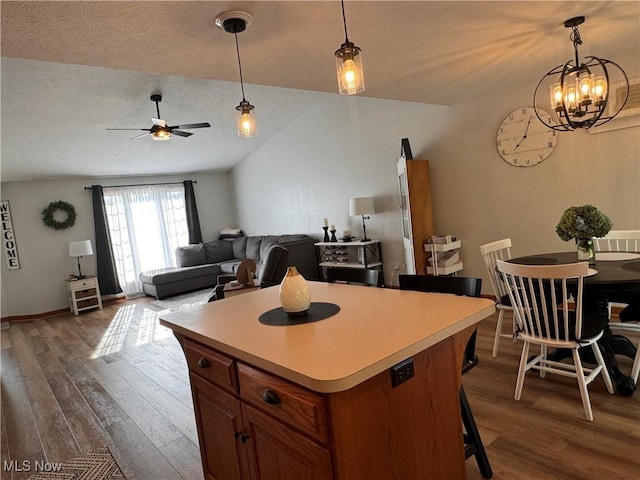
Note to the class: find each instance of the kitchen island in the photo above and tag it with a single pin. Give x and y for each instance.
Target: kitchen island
(317, 400)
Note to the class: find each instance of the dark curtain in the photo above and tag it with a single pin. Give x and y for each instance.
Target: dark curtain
(193, 222)
(107, 276)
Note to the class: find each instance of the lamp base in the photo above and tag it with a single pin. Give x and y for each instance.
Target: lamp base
(365, 240)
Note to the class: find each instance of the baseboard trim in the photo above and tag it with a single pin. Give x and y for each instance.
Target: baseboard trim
(52, 313)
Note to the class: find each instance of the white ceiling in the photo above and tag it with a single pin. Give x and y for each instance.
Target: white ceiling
(54, 115)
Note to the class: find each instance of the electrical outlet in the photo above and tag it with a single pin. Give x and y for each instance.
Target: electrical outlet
(402, 372)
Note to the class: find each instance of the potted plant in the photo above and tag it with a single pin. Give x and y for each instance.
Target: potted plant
(582, 224)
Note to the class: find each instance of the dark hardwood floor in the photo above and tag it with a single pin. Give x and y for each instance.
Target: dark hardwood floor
(115, 377)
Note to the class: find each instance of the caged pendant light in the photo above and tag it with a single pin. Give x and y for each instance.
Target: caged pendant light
(579, 92)
(349, 64)
(236, 22)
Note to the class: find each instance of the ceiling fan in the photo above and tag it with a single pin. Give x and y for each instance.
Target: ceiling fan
(160, 130)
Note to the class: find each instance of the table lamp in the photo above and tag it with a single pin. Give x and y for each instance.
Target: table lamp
(362, 206)
(80, 249)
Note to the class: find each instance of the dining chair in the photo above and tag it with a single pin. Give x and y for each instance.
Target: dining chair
(540, 295)
(491, 252)
(470, 287)
(624, 241)
(355, 276)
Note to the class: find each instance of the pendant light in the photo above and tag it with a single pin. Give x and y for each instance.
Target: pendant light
(579, 92)
(349, 64)
(236, 22)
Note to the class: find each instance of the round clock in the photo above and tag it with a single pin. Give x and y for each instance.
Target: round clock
(524, 141)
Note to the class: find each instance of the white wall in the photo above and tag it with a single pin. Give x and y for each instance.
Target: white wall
(339, 148)
(344, 146)
(38, 286)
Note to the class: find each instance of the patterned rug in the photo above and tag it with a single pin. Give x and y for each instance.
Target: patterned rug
(188, 300)
(91, 466)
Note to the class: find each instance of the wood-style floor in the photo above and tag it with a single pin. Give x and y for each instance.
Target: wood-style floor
(116, 378)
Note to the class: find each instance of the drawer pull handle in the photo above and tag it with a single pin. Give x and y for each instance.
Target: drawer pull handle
(203, 363)
(243, 438)
(271, 397)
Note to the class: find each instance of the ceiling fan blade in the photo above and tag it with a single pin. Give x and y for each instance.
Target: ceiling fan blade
(158, 122)
(144, 129)
(140, 136)
(192, 125)
(181, 134)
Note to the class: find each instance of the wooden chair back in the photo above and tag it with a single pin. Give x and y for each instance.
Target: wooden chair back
(540, 297)
(491, 253)
(355, 276)
(618, 241)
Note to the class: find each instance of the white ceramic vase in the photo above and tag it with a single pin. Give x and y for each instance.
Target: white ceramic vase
(295, 295)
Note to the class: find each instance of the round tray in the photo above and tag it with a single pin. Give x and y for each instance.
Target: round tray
(317, 311)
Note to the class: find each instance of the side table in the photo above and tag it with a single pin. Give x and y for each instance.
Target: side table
(234, 288)
(84, 294)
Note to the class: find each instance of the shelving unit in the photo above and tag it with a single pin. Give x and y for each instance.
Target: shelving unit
(348, 255)
(84, 294)
(437, 267)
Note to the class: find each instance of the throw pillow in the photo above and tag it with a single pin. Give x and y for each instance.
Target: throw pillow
(190, 255)
(218, 251)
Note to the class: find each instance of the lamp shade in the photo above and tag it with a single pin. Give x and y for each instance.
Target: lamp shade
(361, 206)
(80, 248)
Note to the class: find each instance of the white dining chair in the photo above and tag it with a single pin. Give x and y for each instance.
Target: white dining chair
(623, 241)
(543, 305)
(491, 252)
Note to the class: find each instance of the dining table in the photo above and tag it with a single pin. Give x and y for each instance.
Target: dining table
(613, 277)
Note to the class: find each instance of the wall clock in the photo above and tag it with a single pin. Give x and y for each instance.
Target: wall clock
(522, 140)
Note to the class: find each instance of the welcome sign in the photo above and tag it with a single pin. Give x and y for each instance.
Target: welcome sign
(8, 239)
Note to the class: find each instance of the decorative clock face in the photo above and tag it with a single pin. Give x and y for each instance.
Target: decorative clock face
(522, 140)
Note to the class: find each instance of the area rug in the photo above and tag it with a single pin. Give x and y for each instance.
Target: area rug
(91, 466)
(188, 300)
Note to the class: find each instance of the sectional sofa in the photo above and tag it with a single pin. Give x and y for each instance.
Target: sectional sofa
(199, 265)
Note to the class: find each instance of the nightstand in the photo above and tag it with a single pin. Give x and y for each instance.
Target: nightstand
(84, 294)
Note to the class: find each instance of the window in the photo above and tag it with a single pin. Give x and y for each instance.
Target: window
(147, 223)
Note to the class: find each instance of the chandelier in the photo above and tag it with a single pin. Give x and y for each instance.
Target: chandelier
(579, 92)
(349, 65)
(236, 22)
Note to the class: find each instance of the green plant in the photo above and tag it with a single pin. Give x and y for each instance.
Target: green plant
(583, 222)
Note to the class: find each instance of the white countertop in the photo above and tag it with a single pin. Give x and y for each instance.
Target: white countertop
(375, 329)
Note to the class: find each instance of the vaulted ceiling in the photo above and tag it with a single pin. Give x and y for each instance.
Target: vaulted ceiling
(54, 115)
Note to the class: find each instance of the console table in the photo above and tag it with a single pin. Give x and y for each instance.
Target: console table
(370, 392)
(348, 255)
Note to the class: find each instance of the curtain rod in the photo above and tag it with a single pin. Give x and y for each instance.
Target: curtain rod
(145, 184)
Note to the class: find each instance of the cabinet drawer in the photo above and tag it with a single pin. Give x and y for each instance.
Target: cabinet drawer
(89, 292)
(83, 284)
(209, 364)
(284, 400)
(90, 302)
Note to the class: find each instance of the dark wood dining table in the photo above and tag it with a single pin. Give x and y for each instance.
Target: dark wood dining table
(616, 279)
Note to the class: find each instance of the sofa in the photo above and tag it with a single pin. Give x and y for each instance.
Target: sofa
(199, 265)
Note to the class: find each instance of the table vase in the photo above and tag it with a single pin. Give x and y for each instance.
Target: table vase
(295, 295)
(586, 251)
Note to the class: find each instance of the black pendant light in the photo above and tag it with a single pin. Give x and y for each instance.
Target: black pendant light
(349, 64)
(580, 92)
(236, 22)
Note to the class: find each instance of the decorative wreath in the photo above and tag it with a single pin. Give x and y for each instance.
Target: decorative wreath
(48, 213)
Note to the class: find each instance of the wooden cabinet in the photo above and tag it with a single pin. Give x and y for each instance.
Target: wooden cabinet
(83, 294)
(416, 210)
(255, 425)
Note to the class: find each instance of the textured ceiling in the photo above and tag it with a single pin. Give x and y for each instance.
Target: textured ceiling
(430, 52)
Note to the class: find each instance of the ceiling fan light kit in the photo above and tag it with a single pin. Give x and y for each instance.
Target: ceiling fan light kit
(579, 92)
(160, 131)
(236, 22)
(349, 64)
